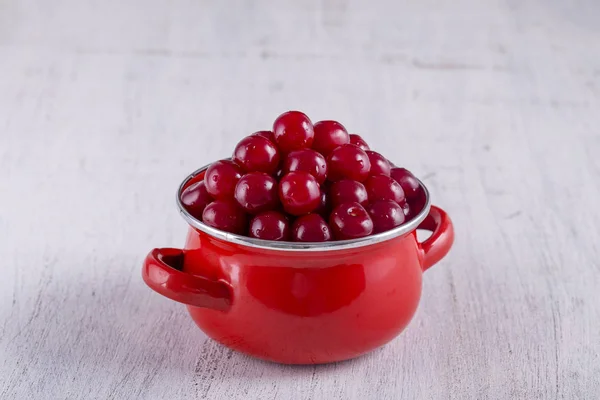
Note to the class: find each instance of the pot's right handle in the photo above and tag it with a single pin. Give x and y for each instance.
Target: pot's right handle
(436, 246)
(162, 271)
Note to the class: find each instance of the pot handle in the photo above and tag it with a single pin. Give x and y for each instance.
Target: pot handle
(162, 271)
(435, 247)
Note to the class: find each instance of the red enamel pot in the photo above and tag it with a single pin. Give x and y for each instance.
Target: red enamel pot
(300, 303)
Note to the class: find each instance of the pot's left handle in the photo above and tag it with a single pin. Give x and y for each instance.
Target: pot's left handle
(162, 271)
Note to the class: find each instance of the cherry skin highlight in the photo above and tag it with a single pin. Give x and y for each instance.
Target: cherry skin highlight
(410, 184)
(299, 193)
(293, 130)
(350, 162)
(407, 211)
(379, 164)
(381, 187)
(225, 215)
(221, 177)
(257, 192)
(266, 134)
(386, 215)
(257, 154)
(357, 140)
(270, 225)
(328, 136)
(350, 221)
(195, 198)
(311, 228)
(306, 160)
(346, 191)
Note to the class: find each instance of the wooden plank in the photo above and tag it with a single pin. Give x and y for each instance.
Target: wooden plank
(105, 107)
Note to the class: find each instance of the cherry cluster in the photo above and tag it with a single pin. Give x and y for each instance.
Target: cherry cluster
(304, 182)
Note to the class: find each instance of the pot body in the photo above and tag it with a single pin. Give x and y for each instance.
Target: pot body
(300, 305)
(307, 307)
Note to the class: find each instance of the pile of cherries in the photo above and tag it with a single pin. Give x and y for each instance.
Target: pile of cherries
(304, 182)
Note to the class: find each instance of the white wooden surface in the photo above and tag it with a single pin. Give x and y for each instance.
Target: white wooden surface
(106, 105)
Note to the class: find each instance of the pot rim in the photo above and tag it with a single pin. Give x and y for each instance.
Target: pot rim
(300, 246)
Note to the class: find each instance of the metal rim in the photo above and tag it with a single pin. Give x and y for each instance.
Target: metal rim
(299, 246)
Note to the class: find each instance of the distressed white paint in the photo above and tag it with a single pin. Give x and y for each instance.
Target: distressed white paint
(105, 106)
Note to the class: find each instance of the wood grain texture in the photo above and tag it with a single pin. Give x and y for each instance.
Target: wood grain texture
(106, 106)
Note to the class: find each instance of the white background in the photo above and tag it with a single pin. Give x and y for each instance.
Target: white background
(105, 106)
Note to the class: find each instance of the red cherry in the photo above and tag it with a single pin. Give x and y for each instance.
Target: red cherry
(328, 136)
(310, 228)
(350, 221)
(359, 141)
(410, 184)
(406, 209)
(293, 130)
(257, 192)
(225, 215)
(417, 203)
(195, 198)
(346, 191)
(270, 225)
(255, 153)
(386, 215)
(379, 164)
(381, 187)
(299, 193)
(348, 161)
(324, 206)
(306, 160)
(221, 177)
(266, 134)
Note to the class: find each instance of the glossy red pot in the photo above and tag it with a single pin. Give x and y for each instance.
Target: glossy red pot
(299, 303)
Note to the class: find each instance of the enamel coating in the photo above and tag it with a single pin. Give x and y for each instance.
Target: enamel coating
(300, 307)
